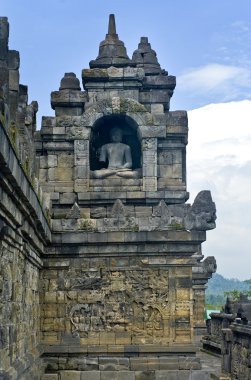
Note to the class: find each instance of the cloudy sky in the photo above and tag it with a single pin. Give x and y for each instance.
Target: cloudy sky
(207, 45)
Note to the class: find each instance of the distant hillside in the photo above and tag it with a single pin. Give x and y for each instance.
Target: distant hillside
(218, 284)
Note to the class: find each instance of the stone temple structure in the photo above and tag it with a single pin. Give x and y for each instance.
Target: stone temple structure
(101, 270)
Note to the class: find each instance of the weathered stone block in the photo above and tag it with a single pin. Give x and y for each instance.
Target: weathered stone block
(150, 184)
(169, 157)
(122, 338)
(81, 172)
(126, 375)
(67, 198)
(153, 131)
(83, 196)
(13, 60)
(78, 132)
(107, 337)
(43, 175)
(54, 196)
(52, 160)
(168, 363)
(81, 185)
(149, 157)
(70, 375)
(157, 108)
(58, 131)
(63, 187)
(189, 363)
(177, 118)
(50, 297)
(98, 212)
(171, 375)
(72, 110)
(108, 375)
(60, 174)
(90, 375)
(48, 121)
(67, 97)
(13, 80)
(138, 364)
(154, 96)
(52, 376)
(150, 170)
(135, 195)
(145, 375)
(153, 364)
(43, 162)
(57, 225)
(115, 72)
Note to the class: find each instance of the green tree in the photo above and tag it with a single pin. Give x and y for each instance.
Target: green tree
(235, 294)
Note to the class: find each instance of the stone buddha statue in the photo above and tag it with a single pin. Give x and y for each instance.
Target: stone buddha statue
(118, 156)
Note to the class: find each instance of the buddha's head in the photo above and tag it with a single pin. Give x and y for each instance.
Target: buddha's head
(116, 134)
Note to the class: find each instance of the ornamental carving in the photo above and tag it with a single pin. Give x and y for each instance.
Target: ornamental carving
(135, 301)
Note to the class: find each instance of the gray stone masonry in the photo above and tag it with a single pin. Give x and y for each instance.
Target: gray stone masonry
(101, 270)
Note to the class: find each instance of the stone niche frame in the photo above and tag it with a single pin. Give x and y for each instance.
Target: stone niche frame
(148, 131)
(101, 131)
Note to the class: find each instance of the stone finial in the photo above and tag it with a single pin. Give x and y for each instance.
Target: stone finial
(4, 37)
(112, 25)
(69, 100)
(69, 82)
(146, 57)
(112, 51)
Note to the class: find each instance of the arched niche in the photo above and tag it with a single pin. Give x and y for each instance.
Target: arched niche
(100, 135)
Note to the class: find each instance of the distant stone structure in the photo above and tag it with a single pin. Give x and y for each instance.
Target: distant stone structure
(100, 257)
(230, 337)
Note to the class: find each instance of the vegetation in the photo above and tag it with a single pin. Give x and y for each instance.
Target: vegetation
(219, 288)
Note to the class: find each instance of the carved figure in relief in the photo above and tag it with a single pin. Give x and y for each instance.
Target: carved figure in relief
(115, 320)
(80, 319)
(118, 156)
(153, 319)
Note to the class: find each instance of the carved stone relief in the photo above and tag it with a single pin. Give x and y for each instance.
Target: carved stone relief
(202, 214)
(149, 144)
(135, 301)
(240, 362)
(74, 212)
(118, 209)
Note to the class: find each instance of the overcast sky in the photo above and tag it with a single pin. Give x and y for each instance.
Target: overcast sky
(206, 45)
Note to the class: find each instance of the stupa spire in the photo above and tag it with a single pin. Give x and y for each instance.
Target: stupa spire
(112, 25)
(112, 51)
(146, 57)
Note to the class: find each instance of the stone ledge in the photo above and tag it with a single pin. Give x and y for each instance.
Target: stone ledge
(140, 350)
(190, 237)
(14, 173)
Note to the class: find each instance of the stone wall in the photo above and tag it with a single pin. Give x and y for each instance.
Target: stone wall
(20, 309)
(237, 353)
(24, 229)
(230, 336)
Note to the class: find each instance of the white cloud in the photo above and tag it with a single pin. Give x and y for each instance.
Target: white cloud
(224, 128)
(216, 79)
(219, 159)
